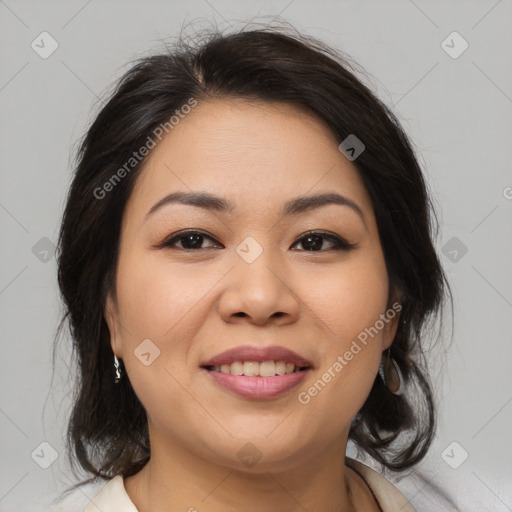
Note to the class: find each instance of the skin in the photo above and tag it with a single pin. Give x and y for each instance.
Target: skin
(194, 305)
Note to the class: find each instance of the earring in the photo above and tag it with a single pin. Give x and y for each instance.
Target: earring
(117, 367)
(392, 376)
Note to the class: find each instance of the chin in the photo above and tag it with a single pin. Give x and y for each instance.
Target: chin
(259, 455)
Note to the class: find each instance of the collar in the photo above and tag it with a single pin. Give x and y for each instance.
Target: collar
(114, 498)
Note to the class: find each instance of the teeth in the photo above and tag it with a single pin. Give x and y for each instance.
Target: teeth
(251, 369)
(267, 369)
(235, 368)
(280, 368)
(256, 369)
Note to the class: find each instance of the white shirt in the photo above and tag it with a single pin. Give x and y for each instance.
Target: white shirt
(113, 496)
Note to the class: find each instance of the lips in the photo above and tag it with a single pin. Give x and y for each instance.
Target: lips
(259, 355)
(265, 372)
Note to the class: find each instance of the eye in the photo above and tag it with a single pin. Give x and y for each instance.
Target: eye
(190, 240)
(313, 240)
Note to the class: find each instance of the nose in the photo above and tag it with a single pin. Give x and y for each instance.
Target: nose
(259, 292)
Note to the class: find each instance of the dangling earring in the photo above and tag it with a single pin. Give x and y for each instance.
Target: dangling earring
(392, 375)
(117, 367)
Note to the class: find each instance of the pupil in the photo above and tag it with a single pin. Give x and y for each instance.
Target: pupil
(310, 243)
(196, 241)
(316, 245)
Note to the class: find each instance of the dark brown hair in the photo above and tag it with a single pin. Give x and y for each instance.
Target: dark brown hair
(107, 433)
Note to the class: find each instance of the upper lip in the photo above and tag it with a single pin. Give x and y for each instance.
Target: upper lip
(257, 354)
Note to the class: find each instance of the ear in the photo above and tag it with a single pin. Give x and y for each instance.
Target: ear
(110, 315)
(389, 331)
(391, 321)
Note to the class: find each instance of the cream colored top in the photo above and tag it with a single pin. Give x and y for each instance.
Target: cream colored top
(113, 497)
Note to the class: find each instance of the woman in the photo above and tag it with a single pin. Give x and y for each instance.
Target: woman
(247, 263)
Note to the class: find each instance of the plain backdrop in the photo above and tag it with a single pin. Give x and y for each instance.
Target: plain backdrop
(454, 102)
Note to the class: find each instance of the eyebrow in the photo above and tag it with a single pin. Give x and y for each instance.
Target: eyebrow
(294, 206)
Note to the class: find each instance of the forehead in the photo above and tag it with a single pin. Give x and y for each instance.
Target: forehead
(255, 154)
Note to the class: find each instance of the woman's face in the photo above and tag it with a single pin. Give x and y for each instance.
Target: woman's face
(250, 279)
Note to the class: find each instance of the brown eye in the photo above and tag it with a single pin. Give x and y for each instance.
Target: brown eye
(314, 240)
(190, 240)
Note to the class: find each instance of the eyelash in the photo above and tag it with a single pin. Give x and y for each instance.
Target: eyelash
(339, 243)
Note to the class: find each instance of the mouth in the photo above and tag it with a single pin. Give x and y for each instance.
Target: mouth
(255, 361)
(257, 372)
(257, 369)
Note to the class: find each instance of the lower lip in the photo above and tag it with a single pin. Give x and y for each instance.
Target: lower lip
(258, 387)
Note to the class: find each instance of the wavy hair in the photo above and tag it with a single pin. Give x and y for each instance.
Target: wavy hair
(107, 431)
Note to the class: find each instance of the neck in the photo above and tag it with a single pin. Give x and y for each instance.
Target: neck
(174, 480)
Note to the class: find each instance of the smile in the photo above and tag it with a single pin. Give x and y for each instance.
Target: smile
(257, 372)
(257, 369)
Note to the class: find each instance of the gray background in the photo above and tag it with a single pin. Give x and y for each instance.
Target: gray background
(457, 112)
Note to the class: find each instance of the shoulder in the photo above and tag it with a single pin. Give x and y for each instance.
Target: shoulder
(412, 492)
(111, 498)
(83, 497)
(426, 494)
(386, 494)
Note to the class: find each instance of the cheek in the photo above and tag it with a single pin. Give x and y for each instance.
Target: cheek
(156, 296)
(158, 301)
(349, 303)
(349, 298)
